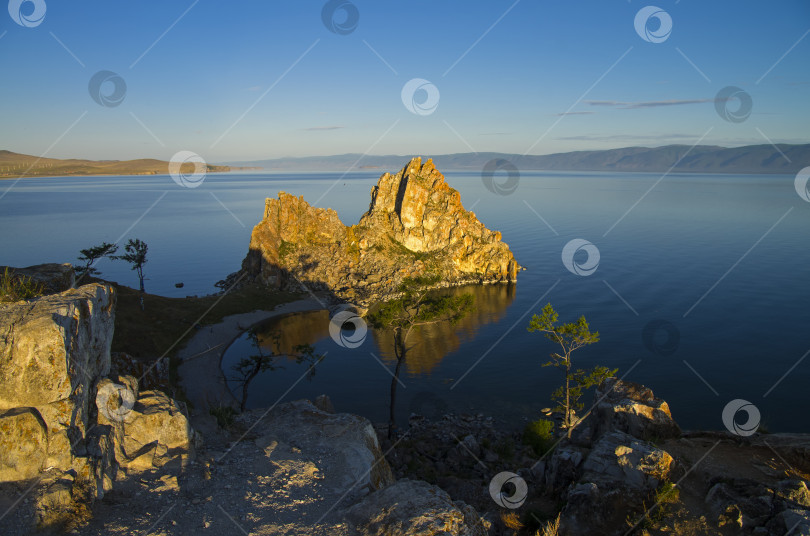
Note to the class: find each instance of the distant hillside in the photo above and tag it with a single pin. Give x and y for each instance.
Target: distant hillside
(14, 165)
(700, 159)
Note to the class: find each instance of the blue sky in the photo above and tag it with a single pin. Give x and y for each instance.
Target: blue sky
(265, 79)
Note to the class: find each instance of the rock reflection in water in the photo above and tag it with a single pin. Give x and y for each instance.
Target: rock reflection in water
(432, 342)
(429, 343)
(293, 329)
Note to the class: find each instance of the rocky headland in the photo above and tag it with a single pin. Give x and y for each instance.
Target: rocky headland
(415, 225)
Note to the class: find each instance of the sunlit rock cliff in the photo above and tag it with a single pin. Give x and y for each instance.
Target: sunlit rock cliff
(415, 225)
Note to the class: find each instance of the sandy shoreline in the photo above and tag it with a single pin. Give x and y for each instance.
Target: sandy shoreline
(200, 374)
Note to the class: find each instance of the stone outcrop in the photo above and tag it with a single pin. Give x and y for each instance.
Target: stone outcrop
(632, 408)
(59, 423)
(415, 508)
(52, 352)
(150, 429)
(618, 476)
(415, 225)
(357, 463)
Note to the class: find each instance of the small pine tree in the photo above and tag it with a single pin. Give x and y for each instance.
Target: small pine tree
(570, 337)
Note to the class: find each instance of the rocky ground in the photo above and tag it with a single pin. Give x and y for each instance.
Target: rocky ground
(87, 448)
(628, 469)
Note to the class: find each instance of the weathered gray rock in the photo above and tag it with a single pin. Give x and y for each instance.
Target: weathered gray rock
(618, 458)
(791, 522)
(632, 408)
(62, 423)
(53, 350)
(23, 444)
(414, 508)
(794, 492)
(746, 504)
(564, 466)
(356, 461)
(150, 430)
(324, 403)
(617, 477)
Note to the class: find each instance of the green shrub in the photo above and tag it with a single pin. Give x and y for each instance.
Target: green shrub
(223, 415)
(662, 500)
(539, 435)
(15, 288)
(285, 248)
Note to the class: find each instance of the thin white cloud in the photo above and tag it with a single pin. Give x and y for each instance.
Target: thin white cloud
(325, 128)
(574, 113)
(621, 105)
(724, 142)
(630, 137)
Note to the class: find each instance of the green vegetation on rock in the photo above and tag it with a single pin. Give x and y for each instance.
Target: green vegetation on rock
(539, 435)
(18, 287)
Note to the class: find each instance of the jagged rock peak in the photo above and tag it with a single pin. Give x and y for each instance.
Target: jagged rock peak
(415, 224)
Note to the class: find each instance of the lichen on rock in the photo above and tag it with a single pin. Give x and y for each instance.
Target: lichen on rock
(415, 224)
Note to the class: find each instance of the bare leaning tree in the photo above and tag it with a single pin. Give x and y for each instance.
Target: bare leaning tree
(416, 306)
(89, 257)
(248, 368)
(135, 255)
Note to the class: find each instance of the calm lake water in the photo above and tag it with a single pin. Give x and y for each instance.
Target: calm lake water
(723, 259)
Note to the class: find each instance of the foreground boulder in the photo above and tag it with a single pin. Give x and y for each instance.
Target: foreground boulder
(150, 429)
(632, 408)
(52, 352)
(356, 464)
(415, 224)
(415, 508)
(63, 435)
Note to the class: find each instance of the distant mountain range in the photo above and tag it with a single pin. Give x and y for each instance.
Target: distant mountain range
(14, 165)
(781, 158)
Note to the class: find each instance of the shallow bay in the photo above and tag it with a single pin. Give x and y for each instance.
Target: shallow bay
(702, 252)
